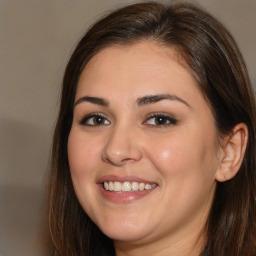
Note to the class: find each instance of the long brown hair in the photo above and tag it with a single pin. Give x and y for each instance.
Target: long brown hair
(216, 62)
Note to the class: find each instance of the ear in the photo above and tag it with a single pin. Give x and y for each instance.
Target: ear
(233, 149)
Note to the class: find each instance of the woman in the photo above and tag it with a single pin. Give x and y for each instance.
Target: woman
(154, 148)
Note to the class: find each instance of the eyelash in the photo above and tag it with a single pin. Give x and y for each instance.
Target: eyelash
(163, 117)
(163, 120)
(84, 120)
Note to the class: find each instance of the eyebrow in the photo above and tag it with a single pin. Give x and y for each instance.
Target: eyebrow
(150, 99)
(93, 100)
(145, 100)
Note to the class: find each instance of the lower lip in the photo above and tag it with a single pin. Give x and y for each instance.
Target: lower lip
(124, 197)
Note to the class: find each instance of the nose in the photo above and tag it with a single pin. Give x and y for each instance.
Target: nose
(121, 147)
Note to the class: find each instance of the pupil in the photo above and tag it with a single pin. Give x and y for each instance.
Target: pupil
(98, 120)
(161, 120)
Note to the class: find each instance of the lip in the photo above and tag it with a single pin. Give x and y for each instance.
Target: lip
(124, 197)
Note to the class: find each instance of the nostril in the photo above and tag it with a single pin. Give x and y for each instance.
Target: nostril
(128, 160)
(120, 161)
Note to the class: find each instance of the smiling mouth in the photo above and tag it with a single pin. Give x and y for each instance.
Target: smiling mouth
(116, 186)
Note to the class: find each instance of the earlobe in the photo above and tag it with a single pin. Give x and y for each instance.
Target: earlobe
(233, 149)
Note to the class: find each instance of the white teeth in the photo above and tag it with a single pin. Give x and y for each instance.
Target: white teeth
(106, 185)
(135, 186)
(127, 186)
(111, 186)
(117, 186)
(147, 186)
(141, 186)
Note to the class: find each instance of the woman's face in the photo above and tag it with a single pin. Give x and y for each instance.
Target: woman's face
(143, 149)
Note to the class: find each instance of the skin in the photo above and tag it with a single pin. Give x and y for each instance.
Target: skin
(181, 157)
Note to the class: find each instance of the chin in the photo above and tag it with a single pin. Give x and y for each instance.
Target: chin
(125, 236)
(126, 233)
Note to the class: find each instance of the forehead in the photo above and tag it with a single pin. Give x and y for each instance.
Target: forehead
(142, 49)
(145, 65)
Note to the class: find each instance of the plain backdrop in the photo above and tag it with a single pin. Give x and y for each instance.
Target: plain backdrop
(36, 40)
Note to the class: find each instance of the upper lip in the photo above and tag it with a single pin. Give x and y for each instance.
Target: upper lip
(121, 179)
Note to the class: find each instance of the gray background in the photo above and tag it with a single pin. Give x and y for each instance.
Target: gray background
(36, 39)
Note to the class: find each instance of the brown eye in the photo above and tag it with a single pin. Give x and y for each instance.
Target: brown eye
(160, 120)
(98, 120)
(94, 120)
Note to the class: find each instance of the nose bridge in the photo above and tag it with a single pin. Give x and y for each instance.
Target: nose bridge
(122, 145)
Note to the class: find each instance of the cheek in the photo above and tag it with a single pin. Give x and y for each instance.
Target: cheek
(81, 155)
(187, 167)
(184, 156)
(82, 161)
(170, 157)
